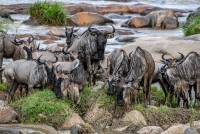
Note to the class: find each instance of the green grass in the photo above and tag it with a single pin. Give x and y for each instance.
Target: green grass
(90, 97)
(157, 95)
(3, 86)
(43, 107)
(48, 13)
(193, 27)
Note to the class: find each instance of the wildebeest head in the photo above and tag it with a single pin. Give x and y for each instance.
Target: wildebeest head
(27, 42)
(69, 32)
(101, 35)
(172, 61)
(124, 92)
(63, 74)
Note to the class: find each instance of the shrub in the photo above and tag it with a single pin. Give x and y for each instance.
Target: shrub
(192, 27)
(48, 13)
(43, 107)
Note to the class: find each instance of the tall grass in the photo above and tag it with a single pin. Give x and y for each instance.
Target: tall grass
(192, 27)
(48, 13)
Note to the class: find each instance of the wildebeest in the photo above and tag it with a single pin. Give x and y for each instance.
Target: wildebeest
(27, 72)
(70, 77)
(9, 48)
(141, 71)
(188, 69)
(90, 48)
(70, 36)
(118, 67)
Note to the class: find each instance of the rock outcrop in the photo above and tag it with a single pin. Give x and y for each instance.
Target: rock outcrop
(163, 19)
(88, 18)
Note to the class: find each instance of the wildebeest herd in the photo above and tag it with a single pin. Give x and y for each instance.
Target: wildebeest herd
(79, 63)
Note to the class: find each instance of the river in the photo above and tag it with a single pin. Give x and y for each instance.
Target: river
(19, 28)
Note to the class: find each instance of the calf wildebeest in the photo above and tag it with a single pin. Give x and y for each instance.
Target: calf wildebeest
(141, 71)
(90, 48)
(27, 72)
(188, 69)
(117, 68)
(9, 48)
(70, 78)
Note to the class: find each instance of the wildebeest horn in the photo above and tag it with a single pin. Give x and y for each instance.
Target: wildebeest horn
(38, 47)
(64, 51)
(16, 42)
(181, 56)
(56, 59)
(113, 29)
(31, 39)
(57, 67)
(163, 56)
(91, 29)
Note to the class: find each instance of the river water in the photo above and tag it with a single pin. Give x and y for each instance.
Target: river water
(19, 28)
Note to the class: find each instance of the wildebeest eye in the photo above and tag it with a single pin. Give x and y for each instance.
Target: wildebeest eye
(94, 34)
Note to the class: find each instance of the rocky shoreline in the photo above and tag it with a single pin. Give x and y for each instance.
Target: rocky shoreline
(142, 9)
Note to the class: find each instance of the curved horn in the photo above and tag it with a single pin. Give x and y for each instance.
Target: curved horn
(163, 56)
(64, 51)
(38, 47)
(16, 42)
(31, 39)
(57, 67)
(181, 56)
(113, 29)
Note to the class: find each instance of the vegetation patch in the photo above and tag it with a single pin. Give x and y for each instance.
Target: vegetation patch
(90, 97)
(192, 26)
(164, 116)
(48, 13)
(3, 86)
(43, 107)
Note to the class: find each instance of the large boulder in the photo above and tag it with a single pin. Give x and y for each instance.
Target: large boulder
(139, 22)
(73, 120)
(150, 130)
(55, 31)
(176, 129)
(134, 117)
(7, 114)
(162, 19)
(88, 18)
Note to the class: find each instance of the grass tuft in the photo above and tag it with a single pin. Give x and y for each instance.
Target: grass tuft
(192, 27)
(3, 86)
(43, 107)
(48, 13)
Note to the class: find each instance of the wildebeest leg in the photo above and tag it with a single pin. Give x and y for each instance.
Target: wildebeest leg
(164, 90)
(1, 62)
(89, 69)
(13, 89)
(146, 93)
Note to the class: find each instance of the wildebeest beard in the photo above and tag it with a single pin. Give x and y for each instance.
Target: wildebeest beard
(119, 94)
(50, 75)
(110, 87)
(58, 87)
(99, 55)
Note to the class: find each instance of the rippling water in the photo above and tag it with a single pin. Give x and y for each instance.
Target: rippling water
(167, 3)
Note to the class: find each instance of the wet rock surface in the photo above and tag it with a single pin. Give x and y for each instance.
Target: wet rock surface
(7, 114)
(150, 130)
(88, 18)
(163, 19)
(26, 129)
